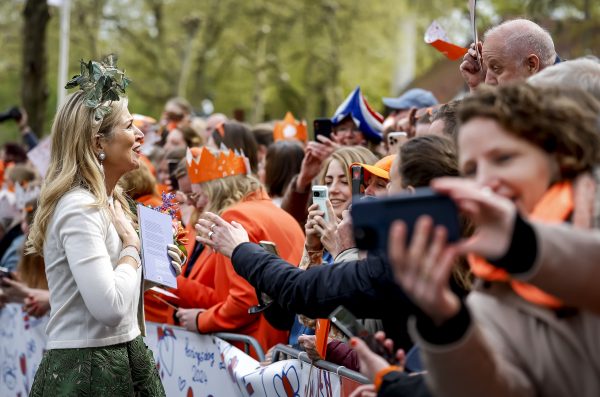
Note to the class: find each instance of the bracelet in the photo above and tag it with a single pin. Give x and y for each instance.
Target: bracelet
(197, 327)
(132, 252)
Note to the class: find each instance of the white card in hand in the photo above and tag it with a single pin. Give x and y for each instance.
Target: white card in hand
(156, 232)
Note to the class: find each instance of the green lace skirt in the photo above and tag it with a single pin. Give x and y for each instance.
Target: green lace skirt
(126, 369)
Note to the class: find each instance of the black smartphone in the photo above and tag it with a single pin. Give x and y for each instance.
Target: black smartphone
(348, 324)
(358, 181)
(372, 218)
(172, 167)
(322, 126)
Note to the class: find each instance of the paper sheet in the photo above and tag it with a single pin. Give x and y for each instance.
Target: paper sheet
(164, 292)
(156, 232)
(473, 13)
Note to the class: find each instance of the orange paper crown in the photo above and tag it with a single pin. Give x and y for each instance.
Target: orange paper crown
(289, 128)
(204, 166)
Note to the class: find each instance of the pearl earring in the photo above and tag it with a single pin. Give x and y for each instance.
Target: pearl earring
(101, 157)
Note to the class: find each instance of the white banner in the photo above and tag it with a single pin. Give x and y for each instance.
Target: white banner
(189, 364)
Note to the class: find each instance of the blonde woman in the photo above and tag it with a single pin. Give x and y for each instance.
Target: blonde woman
(84, 230)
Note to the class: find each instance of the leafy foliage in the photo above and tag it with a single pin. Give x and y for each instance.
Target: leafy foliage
(262, 57)
(101, 82)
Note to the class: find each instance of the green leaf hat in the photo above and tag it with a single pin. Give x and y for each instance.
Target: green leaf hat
(101, 83)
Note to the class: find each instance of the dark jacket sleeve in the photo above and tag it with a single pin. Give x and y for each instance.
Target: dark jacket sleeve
(365, 287)
(399, 384)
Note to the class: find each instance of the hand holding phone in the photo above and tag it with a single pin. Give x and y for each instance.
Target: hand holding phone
(349, 325)
(395, 140)
(372, 218)
(320, 197)
(322, 126)
(5, 274)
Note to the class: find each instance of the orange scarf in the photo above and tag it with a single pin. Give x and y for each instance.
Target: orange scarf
(556, 206)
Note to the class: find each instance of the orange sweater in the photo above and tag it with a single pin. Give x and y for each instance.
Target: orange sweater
(214, 285)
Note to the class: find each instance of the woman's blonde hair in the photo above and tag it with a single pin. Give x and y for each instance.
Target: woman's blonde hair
(73, 162)
(346, 156)
(222, 193)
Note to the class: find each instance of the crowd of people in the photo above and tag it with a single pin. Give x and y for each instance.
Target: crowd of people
(510, 309)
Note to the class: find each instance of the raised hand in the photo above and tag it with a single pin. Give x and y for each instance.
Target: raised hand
(124, 226)
(313, 236)
(423, 268)
(472, 68)
(493, 215)
(220, 235)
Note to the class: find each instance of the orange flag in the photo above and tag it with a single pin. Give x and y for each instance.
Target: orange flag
(436, 37)
(321, 335)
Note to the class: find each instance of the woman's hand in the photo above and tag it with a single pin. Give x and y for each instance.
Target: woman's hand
(423, 268)
(221, 236)
(177, 258)
(37, 302)
(493, 215)
(14, 291)
(187, 318)
(313, 237)
(336, 237)
(371, 363)
(314, 156)
(124, 226)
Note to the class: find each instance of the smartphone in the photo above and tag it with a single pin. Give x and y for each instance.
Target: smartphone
(172, 167)
(395, 140)
(322, 126)
(349, 325)
(358, 181)
(372, 219)
(269, 246)
(264, 300)
(5, 273)
(320, 196)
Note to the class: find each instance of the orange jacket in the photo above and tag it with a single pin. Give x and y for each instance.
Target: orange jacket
(214, 285)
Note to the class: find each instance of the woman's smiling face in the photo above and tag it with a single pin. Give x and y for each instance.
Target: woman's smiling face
(510, 166)
(340, 193)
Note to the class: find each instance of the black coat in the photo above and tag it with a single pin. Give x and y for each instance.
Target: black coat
(365, 287)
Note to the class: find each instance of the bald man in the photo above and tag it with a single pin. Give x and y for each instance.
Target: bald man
(511, 51)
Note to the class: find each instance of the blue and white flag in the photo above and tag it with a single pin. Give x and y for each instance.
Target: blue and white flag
(366, 119)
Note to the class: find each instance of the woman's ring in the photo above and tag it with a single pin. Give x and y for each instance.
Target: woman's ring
(210, 234)
(212, 227)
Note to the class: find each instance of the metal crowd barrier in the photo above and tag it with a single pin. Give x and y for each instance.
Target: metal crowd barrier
(246, 340)
(282, 350)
